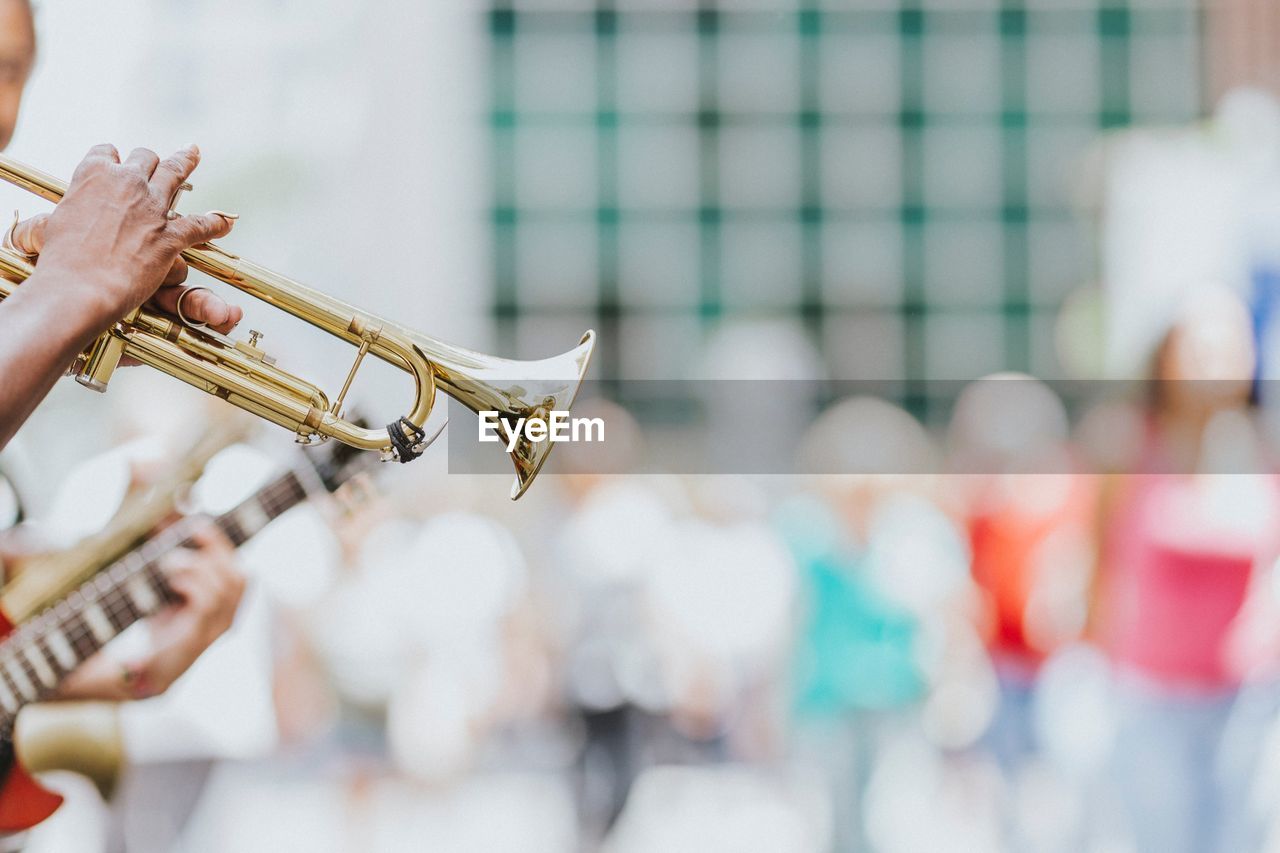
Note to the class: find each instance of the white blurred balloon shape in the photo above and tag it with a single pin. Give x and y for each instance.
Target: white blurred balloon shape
(455, 582)
(917, 556)
(91, 494)
(231, 476)
(362, 648)
(430, 723)
(725, 589)
(1074, 710)
(296, 557)
(608, 539)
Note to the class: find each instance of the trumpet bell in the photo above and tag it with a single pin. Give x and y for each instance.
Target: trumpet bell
(513, 389)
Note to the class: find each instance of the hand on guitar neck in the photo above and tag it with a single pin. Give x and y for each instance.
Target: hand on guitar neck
(207, 587)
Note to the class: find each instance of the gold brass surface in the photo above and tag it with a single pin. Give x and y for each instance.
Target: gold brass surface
(239, 375)
(83, 737)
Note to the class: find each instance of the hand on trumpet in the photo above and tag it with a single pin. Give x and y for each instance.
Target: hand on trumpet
(111, 244)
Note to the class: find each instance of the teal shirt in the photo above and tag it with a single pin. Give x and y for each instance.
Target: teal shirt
(855, 649)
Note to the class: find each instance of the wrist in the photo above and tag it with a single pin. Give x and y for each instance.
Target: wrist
(81, 299)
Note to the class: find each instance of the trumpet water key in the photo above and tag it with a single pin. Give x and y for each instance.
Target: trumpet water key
(241, 373)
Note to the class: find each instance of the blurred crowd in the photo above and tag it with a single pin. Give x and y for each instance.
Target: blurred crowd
(1041, 628)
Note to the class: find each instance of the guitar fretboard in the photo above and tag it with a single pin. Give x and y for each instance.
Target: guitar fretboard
(42, 651)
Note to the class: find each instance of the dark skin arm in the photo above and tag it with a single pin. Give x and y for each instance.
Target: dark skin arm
(107, 248)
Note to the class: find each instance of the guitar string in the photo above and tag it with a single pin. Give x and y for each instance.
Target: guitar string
(111, 599)
(273, 500)
(114, 600)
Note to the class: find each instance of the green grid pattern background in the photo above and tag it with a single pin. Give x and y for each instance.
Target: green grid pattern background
(897, 177)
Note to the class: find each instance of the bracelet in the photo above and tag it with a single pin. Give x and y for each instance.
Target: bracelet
(8, 240)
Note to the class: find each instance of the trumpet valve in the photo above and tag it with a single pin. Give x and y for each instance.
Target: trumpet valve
(103, 359)
(252, 350)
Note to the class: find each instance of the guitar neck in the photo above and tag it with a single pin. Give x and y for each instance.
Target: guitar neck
(36, 657)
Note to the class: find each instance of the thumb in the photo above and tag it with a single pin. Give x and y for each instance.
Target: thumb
(27, 236)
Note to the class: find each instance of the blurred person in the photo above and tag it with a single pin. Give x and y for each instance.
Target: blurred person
(1179, 565)
(429, 644)
(880, 567)
(609, 521)
(1029, 517)
(147, 666)
(718, 598)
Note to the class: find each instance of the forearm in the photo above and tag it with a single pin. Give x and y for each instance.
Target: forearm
(44, 325)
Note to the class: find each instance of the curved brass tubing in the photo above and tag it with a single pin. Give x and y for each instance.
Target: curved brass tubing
(240, 373)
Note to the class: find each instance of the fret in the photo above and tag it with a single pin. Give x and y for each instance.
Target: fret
(7, 698)
(10, 684)
(251, 516)
(120, 609)
(20, 679)
(297, 492)
(287, 494)
(144, 597)
(35, 657)
(27, 669)
(159, 585)
(98, 623)
(60, 648)
(40, 665)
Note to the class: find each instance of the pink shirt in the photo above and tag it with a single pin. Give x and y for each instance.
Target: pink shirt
(1178, 579)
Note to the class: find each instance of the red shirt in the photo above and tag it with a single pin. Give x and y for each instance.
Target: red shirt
(1018, 533)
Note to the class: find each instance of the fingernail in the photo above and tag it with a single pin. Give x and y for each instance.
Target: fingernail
(231, 217)
(193, 148)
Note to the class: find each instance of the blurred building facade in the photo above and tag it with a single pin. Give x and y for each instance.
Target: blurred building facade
(902, 180)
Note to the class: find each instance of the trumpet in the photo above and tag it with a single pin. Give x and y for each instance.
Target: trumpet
(241, 372)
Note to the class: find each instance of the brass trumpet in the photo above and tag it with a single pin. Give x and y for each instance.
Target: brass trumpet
(243, 374)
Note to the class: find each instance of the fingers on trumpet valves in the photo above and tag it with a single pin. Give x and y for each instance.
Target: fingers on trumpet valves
(144, 160)
(177, 273)
(98, 158)
(194, 229)
(169, 179)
